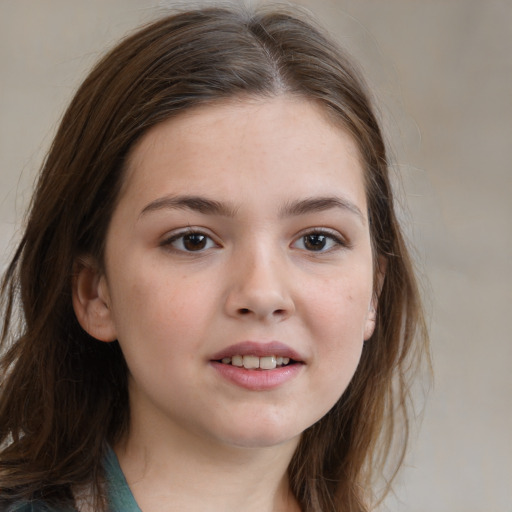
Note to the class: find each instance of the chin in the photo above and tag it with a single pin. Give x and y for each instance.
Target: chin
(261, 434)
(264, 441)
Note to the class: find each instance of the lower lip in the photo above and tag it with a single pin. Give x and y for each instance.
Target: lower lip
(257, 380)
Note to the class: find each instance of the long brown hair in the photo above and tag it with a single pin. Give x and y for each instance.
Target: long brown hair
(64, 394)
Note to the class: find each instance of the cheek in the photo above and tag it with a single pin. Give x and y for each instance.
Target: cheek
(338, 317)
(158, 309)
(341, 306)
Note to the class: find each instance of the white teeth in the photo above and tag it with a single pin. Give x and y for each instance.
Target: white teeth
(253, 362)
(237, 361)
(268, 363)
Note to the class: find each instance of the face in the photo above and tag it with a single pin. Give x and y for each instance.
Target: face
(238, 272)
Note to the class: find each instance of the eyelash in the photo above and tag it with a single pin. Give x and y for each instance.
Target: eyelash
(336, 240)
(168, 242)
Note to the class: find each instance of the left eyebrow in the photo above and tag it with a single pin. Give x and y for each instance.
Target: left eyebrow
(320, 204)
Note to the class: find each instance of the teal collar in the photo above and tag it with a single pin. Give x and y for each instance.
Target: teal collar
(120, 498)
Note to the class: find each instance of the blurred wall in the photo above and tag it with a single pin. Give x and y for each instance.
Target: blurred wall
(441, 71)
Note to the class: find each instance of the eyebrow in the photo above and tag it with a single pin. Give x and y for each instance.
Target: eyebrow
(319, 204)
(195, 203)
(212, 207)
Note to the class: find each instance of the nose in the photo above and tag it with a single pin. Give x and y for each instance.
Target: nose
(260, 287)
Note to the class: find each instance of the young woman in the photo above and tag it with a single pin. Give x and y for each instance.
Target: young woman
(218, 309)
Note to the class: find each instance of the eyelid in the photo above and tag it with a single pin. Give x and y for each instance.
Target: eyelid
(340, 240)
(173, 236)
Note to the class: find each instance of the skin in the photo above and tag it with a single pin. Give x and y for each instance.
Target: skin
(258, 278)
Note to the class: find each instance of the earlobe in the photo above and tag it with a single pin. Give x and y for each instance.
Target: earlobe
(91, 301)
(371, 319)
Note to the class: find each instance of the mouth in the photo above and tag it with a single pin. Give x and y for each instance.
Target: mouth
(257, 366)
(251, 355)
(253, 362)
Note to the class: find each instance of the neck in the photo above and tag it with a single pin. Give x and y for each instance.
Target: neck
(184, 471)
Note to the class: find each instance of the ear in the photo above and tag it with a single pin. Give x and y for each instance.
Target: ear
(91, 300)
(371, 319)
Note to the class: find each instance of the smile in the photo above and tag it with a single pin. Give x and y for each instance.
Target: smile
(252, 362)
(258, 366)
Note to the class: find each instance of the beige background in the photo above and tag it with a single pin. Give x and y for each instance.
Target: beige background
(442, 72)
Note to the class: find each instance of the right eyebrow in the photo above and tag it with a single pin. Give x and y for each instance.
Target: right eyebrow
(195, 203)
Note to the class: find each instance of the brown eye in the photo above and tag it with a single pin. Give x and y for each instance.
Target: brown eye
(315, 242)
(194, 241)
(319, 241)
(190, 241)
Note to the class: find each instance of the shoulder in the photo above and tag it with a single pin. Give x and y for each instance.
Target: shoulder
(28, 506)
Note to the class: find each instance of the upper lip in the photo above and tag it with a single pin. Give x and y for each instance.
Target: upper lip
(260, 349)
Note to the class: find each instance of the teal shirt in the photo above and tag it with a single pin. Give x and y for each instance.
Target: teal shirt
(120, 498)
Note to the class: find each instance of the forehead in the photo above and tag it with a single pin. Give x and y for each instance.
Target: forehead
(281, 142)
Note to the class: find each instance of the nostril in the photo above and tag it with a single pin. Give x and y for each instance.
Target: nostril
(247, 311)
